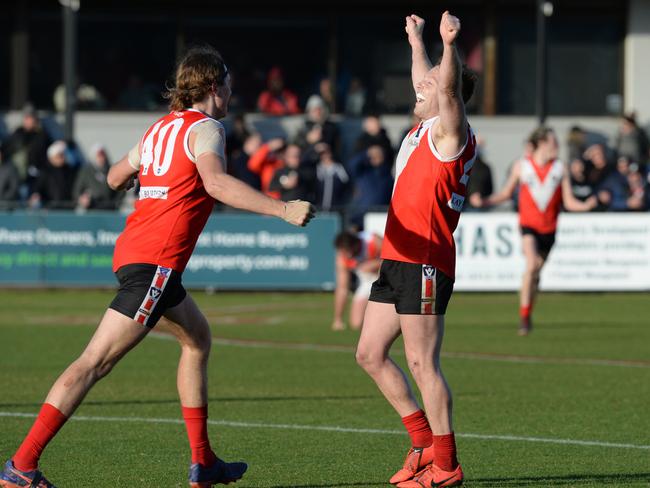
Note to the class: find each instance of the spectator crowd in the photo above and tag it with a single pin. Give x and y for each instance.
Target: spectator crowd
(37, 171)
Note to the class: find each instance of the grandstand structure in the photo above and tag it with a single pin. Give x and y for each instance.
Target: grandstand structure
(595, 69)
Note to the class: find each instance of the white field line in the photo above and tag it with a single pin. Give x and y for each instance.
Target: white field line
(330, 428)
(452, 355)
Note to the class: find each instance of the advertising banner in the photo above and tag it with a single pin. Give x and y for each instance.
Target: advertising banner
(593, 252)
(235, 251)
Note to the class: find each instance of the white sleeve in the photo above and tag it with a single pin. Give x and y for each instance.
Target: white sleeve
(210, 136)
(134, 157)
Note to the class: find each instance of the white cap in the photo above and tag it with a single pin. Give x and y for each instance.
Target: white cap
(315, 101)
(56, 148)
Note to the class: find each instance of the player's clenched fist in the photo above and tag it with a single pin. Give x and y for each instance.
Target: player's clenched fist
(414, 28)
(298, 212)
(449, 28)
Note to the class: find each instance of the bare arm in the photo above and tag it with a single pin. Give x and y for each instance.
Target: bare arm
(571, 203)
(370, 265)
(120, 176)
(451, 131)
(420, 62)
(508, 190)
(229, 190)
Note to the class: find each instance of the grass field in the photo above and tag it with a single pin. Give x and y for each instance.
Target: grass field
(567, 406)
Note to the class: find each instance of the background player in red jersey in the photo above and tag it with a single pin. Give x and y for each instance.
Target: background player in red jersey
(417, 275)
(544, 187)
(357, 256)
(181, 167)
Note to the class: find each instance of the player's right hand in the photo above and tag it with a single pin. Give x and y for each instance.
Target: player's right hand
(414, 28)
(298, 212)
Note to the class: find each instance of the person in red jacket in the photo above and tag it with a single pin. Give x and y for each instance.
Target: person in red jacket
(276, 99)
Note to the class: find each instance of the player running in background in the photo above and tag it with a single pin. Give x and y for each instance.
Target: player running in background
(417, 274)
(544, 187)
(357, 256)
(181, 167)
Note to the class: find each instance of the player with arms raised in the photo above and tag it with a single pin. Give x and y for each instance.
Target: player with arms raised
(417, 275)
(544, 187)
(181, 167)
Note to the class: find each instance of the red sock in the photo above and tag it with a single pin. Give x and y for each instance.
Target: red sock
(47, 424)
(524, 311)
(418, 428)
(196, 422)
(444, 452)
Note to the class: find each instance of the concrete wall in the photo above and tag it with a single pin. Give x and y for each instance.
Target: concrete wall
(503, 136)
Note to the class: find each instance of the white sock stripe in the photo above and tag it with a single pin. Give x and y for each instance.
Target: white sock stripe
(332, 428)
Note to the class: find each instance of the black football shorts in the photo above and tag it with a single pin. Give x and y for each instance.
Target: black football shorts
(544, 242)
(147, 291)
(414, 289)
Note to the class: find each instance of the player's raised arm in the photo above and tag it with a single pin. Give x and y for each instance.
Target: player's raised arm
(451, 132)
(420, 64)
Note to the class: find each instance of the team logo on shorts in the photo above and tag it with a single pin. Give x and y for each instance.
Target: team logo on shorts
(428, 271)
(155, 292)
(456, 202)
(163, 271)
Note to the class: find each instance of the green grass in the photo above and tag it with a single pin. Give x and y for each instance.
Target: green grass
(590, 381)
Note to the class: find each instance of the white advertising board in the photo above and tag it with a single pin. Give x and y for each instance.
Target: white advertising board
(592, 252)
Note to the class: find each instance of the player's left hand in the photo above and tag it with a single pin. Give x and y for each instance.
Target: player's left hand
(130, 182)
(449, 28)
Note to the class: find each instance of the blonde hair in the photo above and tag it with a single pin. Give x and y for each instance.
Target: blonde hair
(200, 71)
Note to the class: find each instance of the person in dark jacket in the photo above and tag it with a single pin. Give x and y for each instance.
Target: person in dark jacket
(295, 180)
(332, 180)
(373, 182)
(27, 146)
(9, 181)
(90, 189)
(374, 134)
(53, 188)
(318, 127)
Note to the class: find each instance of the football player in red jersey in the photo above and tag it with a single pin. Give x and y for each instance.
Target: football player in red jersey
(357, 256)
(417, 273)
(180, 163)
(544, 187)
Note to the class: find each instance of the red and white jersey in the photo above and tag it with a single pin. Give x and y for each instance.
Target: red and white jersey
(540, 195)
(428, 197)
(173, 205)
(369, 250)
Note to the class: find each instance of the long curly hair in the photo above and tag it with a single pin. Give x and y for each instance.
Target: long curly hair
(201, 70)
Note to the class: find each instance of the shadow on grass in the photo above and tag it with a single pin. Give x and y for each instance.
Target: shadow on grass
(174, 401)
(621, 479)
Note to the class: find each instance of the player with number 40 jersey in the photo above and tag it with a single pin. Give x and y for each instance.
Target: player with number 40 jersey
(181, 166)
